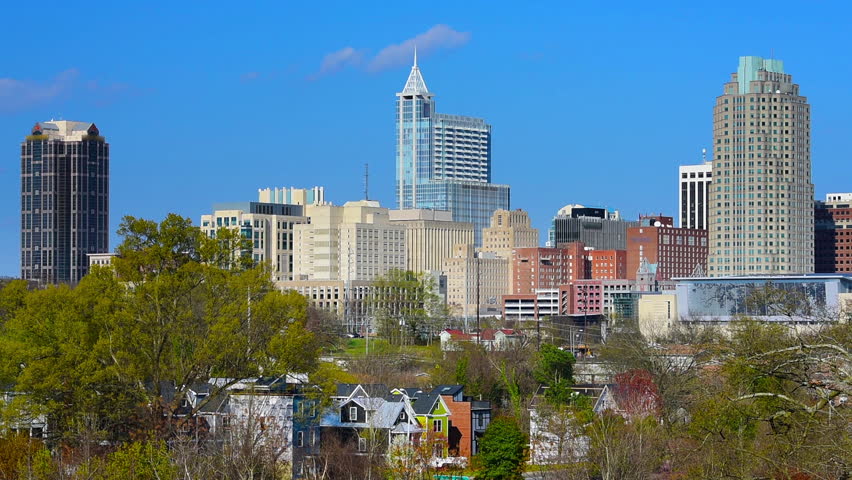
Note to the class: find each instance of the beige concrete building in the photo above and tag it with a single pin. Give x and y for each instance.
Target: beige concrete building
(430, 236)
(657, 315)
(351, 243)
(464, 269)
(761, 216)
(509, 229)
(347, 301)
(268, 226)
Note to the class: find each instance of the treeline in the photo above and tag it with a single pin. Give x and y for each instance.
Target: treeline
(110, 363)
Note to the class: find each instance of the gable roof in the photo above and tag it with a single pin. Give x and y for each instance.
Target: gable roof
(371, 390)
(447, 389)
(425, 404)
(385, 414)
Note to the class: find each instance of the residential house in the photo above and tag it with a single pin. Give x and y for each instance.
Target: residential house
(468, 420)
(490, 338)
(367, 424)
(433, 415)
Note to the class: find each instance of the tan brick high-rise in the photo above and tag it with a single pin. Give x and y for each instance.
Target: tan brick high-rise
(761, 218)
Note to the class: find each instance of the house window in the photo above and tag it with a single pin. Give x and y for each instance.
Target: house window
(300, 439)
(402, 415)
(353, 414)
(362, 444)
(437, 425)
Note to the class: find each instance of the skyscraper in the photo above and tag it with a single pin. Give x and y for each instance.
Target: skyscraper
(761, 214)
(64, 200)
(444, 161)
(692, 197)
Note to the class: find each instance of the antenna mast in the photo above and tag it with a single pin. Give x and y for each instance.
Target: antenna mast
(366, 181)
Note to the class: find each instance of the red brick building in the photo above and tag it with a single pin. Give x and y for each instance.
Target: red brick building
(833, 234)
(608, 264)
(540, 268)
(675, 251)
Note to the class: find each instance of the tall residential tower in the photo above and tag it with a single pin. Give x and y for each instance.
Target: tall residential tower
(443, 162)
(692, 196)
(64, 200)
(761, 206)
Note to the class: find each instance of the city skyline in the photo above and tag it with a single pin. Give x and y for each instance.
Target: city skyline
(537, 151)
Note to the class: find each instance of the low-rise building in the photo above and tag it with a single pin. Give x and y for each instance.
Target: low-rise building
(490, 338)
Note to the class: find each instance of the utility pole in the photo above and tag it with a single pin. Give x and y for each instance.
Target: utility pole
(478, 328)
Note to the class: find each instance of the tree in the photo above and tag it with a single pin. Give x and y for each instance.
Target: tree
(554, 368)
(502, 451)
(125, 345)
(406, 307)
(622, 450)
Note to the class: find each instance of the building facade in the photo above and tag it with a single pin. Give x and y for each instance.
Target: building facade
(545, 268)
(761, 217)
(430, 236)
(509, 230)
(608, 264)
(833, 234)
(268, 226)
(354, 242)
(693, 195)
(597, 228)
(675, 252)
(292, 195)
(469, 273)
(64, 201)
(444, 161)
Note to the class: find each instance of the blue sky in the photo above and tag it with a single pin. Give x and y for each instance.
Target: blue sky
(209, 101)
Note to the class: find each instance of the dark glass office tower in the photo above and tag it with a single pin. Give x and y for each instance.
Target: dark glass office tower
(64, 200)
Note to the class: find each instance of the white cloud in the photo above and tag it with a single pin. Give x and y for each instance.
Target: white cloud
(20, 94)
(438, 37)
(334, 61)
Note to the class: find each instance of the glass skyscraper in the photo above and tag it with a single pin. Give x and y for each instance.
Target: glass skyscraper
(444, 161)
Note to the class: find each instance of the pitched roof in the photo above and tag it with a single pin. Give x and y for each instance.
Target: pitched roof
(447, 389)
(425, 403)
(385, 414)
(373, 390)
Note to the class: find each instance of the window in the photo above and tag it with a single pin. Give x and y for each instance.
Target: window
(353, 414)
(362, 444)
(300, 439)
(437, 425)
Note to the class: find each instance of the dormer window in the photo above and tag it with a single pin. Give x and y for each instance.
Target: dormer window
(353, 414)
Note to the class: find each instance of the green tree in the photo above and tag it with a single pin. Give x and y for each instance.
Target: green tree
(125, 345)
(554, 368)
(502, 451)
(406, 307)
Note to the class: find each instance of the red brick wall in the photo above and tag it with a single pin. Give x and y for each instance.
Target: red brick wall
(535, 268)
(675, 250)
(608, 264)
(460, 418)
(832, 244)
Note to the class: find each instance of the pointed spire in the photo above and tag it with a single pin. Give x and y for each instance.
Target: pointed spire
(415, 85)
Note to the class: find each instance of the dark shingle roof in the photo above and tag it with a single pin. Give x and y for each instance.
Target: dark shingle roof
(425, 403)
(447, 389)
